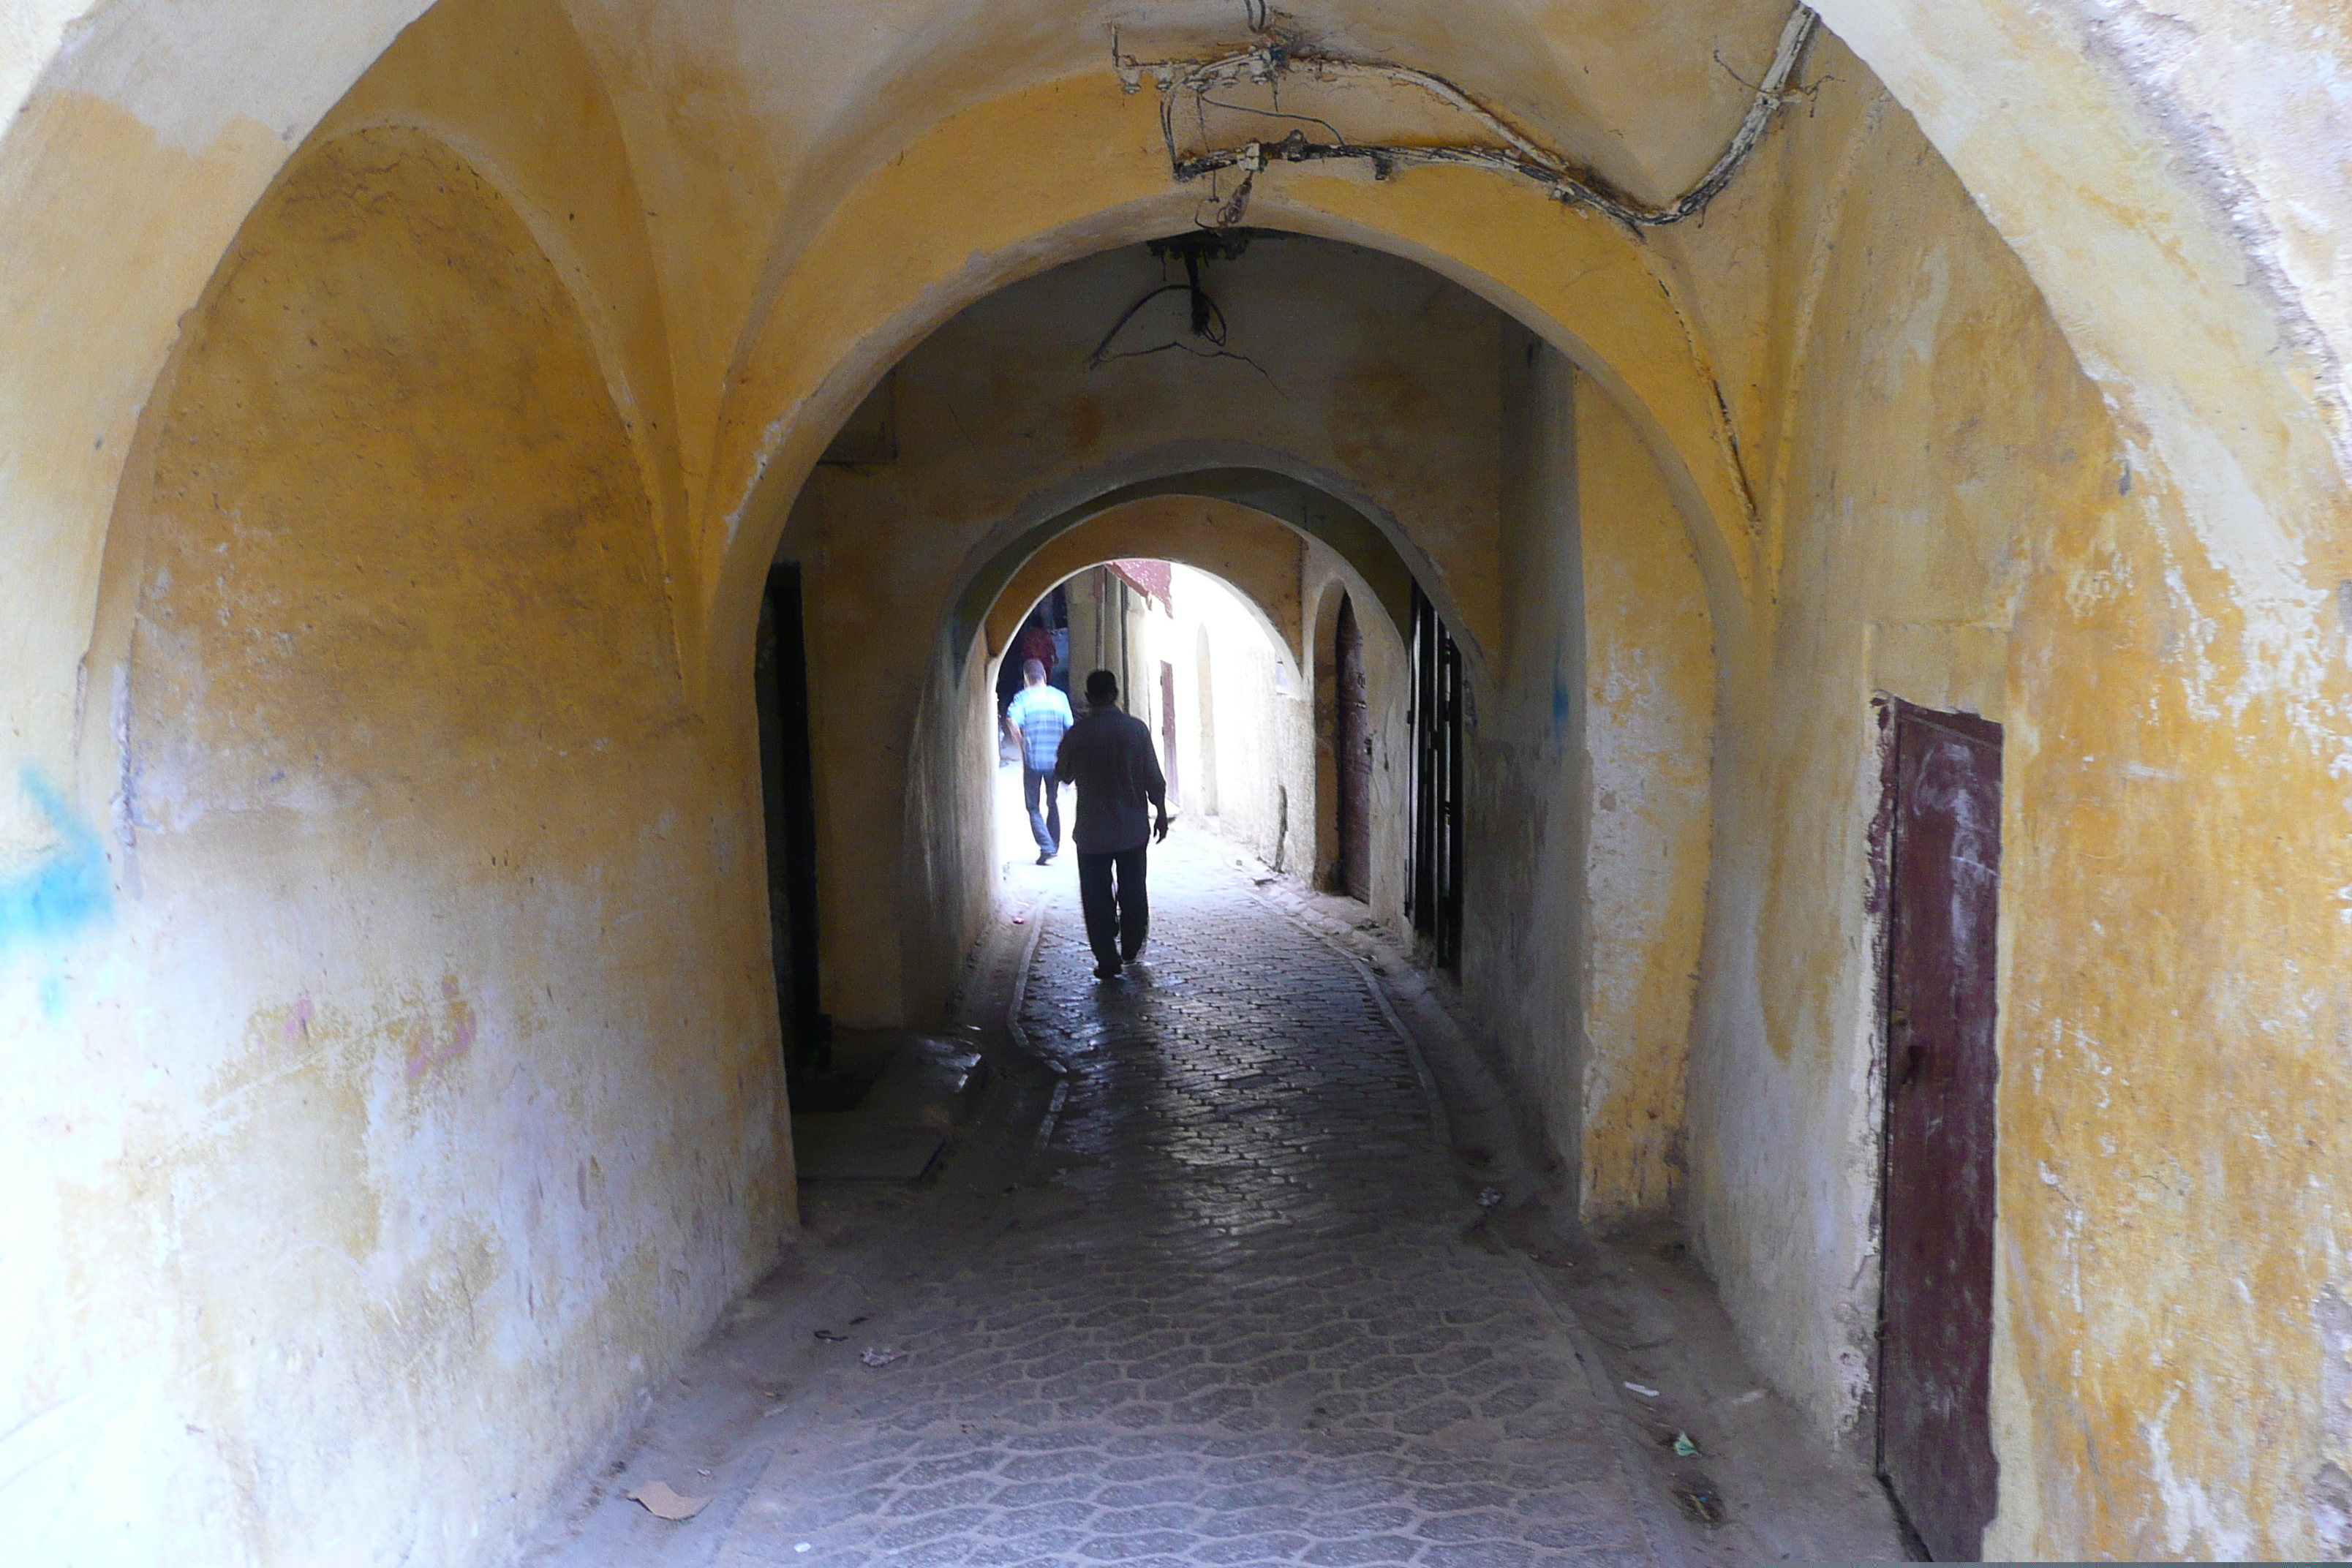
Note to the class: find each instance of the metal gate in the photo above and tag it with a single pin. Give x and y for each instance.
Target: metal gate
(1434, 872)
(1352, 742)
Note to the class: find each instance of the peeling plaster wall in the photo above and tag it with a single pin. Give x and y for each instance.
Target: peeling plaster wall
(1587, 785)
(1649, 722)
(1524, 788)
(443, 1107)
(2165, 645)
(1936, 426)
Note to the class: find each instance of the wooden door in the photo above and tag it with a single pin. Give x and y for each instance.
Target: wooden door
(1352, 740)
(1935, 1434)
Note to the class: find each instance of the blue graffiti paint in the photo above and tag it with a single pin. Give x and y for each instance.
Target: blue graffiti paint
(63, 891)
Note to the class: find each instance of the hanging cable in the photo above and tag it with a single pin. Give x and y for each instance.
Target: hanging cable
(1507, 150)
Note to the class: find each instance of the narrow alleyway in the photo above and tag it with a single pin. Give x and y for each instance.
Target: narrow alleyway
(1256, 1336)
(1200, 1285)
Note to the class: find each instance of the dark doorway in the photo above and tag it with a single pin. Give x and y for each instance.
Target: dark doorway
(789, 794)
(1434, 886)
(1934, 1361)
(1045, 635)
(1351, 738)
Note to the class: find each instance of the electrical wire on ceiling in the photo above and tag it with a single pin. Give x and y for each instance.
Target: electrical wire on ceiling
(1206, 331)
(1505, 149)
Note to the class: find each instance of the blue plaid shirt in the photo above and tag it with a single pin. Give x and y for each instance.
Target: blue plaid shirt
(1041, 714)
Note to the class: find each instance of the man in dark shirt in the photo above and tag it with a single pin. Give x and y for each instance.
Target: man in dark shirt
(1108, 755)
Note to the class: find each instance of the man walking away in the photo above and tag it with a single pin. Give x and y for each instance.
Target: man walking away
(1108, 755)
(1037, 719)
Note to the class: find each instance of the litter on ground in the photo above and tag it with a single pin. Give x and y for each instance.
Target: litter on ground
(660, 1500)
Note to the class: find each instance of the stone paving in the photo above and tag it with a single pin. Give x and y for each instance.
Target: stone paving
(1256, 1330)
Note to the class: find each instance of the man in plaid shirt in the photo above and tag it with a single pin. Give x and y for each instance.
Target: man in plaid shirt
(1037, 719)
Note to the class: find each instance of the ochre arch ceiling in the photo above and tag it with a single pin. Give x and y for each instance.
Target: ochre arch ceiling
(1246, 502)
(1098, 177)
(144, 140)
(139, 151)
(1178, 519)
(1248, 552)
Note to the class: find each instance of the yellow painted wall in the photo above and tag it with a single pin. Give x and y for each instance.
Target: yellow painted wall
(1940, 509)
(434, 1130)
(1259, 557)
(1649, 721)
(512, 88)
(1524, 807)
(1961, 520)
(1930, 418)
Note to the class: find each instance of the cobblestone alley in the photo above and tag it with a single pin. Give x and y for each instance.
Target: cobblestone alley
(1222, 1300)
(1259, 1338)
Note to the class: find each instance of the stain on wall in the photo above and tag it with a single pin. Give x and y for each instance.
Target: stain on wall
(1524, 780)
(402, 712)
(66, 885)
(1649, 723)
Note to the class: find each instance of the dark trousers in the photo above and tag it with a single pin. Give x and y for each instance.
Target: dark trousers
(1044, 826)
(1117, 921)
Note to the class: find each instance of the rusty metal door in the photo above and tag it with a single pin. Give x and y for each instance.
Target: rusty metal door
(1935, 1434)
(1352, 740)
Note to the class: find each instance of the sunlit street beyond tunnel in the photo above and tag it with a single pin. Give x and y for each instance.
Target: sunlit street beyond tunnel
(1213, 1274)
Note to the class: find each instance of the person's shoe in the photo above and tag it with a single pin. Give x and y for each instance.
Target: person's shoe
(1108, 969)
(1045, 859)
(1126, 954)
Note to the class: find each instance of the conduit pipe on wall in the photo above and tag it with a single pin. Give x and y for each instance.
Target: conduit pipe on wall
(1511, 153)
